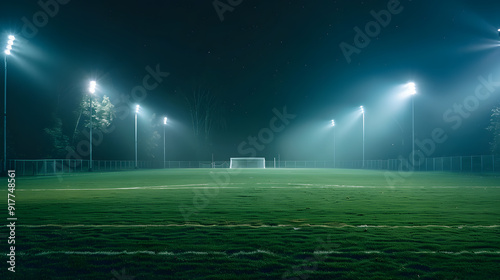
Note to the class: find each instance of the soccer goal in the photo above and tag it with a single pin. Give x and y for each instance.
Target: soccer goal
(248, 162)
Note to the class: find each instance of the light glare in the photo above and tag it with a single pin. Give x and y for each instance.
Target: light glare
(165, 120)
(412, 88)
(137, 108)
(11, 37)
(7, 52)
(333, 122)
(92, 86)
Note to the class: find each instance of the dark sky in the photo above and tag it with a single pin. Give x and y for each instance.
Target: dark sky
(263, 55)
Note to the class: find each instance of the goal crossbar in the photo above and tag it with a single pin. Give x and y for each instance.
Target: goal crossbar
(248, 162)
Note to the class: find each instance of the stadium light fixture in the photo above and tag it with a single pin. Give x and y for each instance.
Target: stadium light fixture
(334, 151)
(92, 91)
(137, 109)
(164, 125)
(363, 112)
(7, 52)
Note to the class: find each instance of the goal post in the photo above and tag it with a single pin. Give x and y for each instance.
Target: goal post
(248, 162)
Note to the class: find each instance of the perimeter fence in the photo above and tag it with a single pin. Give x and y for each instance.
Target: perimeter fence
(40, 167)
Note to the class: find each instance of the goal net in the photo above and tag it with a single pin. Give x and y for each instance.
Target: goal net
(247, 162)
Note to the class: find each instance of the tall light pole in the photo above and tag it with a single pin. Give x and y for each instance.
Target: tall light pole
(92, 91)
(363, 112)
(164, 125)
(333, 125)
(412, 90)
(137, 108)
(8, 48)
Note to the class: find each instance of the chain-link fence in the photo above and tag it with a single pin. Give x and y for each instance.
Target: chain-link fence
(486, 163)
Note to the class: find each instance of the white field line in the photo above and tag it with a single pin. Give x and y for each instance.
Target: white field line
(285, 186)
(253, 226)
(264, 252)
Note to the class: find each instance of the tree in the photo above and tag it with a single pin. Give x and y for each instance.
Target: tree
(494, 127)
(205, 113)
(57, 141)
(103, 115)
(150, 137)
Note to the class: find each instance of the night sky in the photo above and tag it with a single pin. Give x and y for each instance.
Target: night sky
(253, 58)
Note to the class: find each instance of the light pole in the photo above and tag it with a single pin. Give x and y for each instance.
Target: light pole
(363, 112)
(412, 90)
(164, 125)
(92, 91)
(8, 48)
(137, 108)
(333, 125)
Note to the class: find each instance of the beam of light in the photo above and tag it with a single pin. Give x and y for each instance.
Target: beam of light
(165, 120)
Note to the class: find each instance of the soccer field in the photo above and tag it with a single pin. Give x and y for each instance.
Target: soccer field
(256, 224)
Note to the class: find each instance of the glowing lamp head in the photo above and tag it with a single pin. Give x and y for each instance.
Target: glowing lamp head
(10, 42)
(92, 87)
(165, 120)
(362, 109)
(412, 88)
(137, 108)
(333, 122)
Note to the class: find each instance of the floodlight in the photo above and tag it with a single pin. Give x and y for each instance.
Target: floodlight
(10, 42)
(92, 87)
(137, 108)
(362, 109)
(165, 120)
(412, 88)
(7, 52)
(11, 37)
(333, 122)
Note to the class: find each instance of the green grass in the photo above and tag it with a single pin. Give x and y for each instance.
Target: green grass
(256, 224)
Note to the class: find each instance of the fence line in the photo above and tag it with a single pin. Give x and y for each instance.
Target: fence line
(485, 163)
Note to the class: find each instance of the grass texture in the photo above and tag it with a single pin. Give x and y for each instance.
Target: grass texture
(256, 224)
